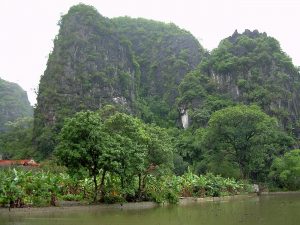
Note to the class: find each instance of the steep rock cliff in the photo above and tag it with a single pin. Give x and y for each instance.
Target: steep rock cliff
(90, 66)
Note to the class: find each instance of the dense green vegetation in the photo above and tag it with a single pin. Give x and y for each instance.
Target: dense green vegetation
(244, 140)
(19, 188)
(121, 145)
(285, 170)
(111, 100)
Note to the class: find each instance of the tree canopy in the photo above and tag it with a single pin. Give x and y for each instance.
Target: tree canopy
(117, 144)
(246, 137)
(83, 145)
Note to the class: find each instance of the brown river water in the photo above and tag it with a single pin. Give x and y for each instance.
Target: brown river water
(279, 209)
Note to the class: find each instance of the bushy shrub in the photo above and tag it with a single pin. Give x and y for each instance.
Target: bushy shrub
(285, 171)
(19, 187)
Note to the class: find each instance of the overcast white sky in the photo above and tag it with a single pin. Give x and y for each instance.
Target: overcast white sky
(29, 27)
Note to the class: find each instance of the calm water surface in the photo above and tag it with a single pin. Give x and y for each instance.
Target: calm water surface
(265, 210)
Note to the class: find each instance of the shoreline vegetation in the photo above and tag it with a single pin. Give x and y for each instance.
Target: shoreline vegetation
(21, 188)
(112, 157)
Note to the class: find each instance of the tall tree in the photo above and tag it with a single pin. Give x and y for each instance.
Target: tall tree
(247, 137)
(83, 145)
(159, 153)
(129, 147)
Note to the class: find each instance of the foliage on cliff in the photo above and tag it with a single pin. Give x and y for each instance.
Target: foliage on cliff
(165, 54)
(13, 103)
(248, 68)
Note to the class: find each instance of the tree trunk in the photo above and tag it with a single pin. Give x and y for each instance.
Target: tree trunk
(140, 186)
(140, 183)
(53, 200)
(96, 187)
(102, 192)
(122, 182)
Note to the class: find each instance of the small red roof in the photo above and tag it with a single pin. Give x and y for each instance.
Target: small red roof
(22, 162)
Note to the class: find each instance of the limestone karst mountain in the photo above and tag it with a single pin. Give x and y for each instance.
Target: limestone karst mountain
(135, 64)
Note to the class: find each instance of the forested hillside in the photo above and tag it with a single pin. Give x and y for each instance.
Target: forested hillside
(248, 68)
(13, 103)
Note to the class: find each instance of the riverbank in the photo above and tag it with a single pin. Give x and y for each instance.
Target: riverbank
(280, 193)
(71, 207)
(78, 208)
(189, 200)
